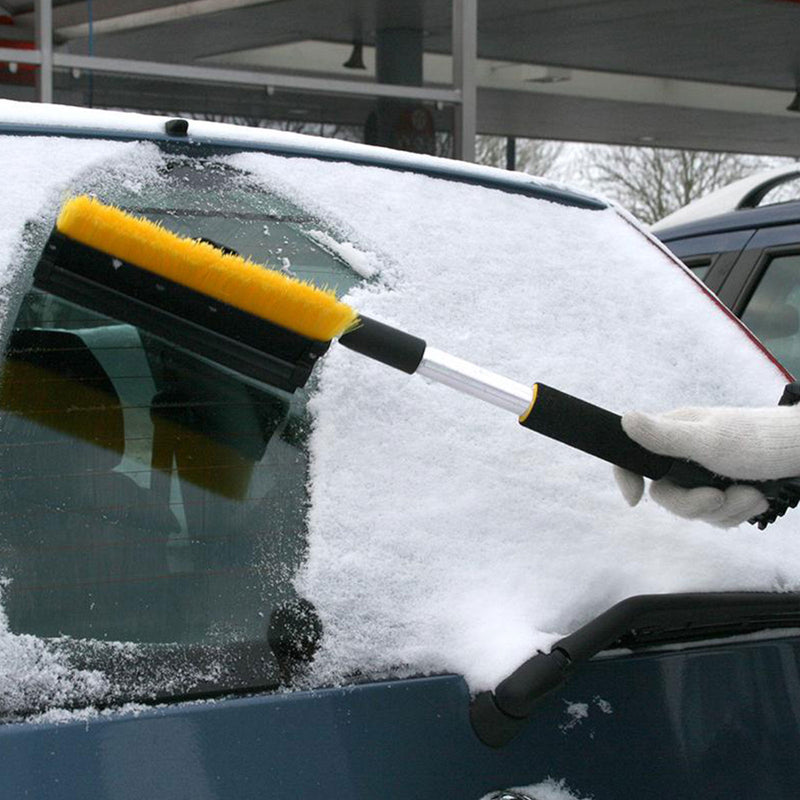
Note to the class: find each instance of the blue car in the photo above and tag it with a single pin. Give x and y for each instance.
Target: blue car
(254, 572)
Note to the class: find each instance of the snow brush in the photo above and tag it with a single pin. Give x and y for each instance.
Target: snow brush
(274, 327)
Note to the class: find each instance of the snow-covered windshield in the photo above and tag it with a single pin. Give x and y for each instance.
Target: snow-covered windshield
(424, 531)
(444, 536)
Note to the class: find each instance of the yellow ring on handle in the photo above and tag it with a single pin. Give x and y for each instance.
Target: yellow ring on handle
(528, 410)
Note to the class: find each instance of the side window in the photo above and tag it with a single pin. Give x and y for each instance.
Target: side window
(773, 312)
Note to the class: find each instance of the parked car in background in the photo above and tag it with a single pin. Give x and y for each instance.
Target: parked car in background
(222, 577)
(743, 241)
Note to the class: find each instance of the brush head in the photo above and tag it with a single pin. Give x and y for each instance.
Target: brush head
(252, 288)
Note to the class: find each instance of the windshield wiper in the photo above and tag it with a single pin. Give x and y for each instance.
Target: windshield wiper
(641, 620)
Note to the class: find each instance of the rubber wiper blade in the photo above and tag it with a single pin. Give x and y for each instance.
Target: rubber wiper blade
(637, 621)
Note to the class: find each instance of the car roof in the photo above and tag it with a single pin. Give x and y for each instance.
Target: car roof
(51, 119)
(763, 217)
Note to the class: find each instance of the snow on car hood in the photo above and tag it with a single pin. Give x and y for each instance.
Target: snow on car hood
(443, 535)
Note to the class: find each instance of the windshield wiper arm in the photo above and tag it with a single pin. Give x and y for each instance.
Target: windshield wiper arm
(644, 619)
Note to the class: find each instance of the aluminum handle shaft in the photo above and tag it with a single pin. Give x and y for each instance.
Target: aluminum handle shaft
(474, 380)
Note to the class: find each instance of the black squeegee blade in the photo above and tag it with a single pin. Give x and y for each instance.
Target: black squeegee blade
(215, 330)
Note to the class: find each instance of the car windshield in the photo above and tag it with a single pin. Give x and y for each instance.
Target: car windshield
(150, 495)
(165, 503)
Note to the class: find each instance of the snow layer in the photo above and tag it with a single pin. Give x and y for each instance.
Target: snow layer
(33, 677)
(58, 118)
(37, 175)
(444, 536)
(721, 201)
(62, 716)
(546, 790)
(364, 264)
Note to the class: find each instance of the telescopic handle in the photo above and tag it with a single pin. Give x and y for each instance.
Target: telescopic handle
(555, 414)
(599, 432)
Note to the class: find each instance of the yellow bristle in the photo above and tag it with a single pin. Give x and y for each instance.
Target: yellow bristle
(265, 293)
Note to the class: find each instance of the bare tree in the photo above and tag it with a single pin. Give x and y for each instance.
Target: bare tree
(536, 156)
(653, 182)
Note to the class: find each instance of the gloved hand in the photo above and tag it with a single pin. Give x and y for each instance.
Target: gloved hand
(747, 443)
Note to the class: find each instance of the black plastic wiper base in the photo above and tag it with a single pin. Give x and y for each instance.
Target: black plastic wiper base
(638, 621)
(210, 328)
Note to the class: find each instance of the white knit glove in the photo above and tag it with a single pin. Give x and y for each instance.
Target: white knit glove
(747, 443)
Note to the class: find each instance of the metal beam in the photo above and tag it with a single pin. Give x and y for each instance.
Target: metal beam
(551, 116)
(253, 78)
(74, 13)
(629, 88)
(465, 60)
(44, 44)
(217, 101)
(110, 22)
(14, 56)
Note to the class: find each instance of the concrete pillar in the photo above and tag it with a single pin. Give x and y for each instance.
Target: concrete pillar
(400, 124)
(398, 56)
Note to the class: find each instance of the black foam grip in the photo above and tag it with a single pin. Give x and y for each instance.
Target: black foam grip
(592, 429)
(386, 344)
(599, 432)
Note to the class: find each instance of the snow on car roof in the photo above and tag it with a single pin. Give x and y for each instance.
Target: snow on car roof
(443, 536)
(728, 198)
(72, 119)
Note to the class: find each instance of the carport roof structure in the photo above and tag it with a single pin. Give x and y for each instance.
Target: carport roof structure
(716, 75)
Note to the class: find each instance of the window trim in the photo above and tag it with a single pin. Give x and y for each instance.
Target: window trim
(695, 262)
(723, 249)
(719, 266)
